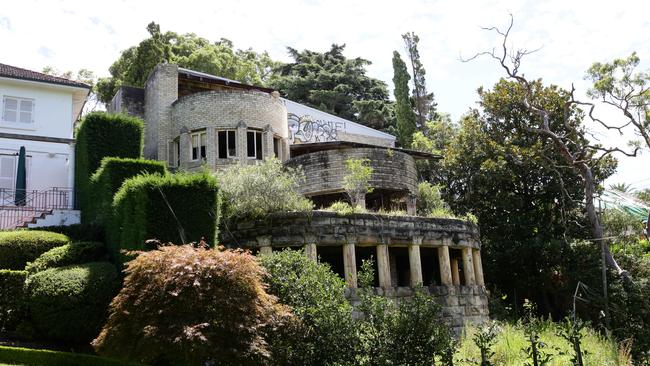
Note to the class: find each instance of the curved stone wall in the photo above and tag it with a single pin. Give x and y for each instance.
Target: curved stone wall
(325, 170)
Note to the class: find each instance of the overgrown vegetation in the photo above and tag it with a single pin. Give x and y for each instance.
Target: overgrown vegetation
(357, 180)
(22, 246)
(253, 191)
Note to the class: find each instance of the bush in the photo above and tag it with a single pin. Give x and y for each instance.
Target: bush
(41, 357)
(12, 298)
(186, 306)
(101, 135)
(108, 179)
(66, 255)
(22, 246)
(430, 202)
(256, 190)
(78, 232)
(344, 209)
(172, 208)
(70, 303)
(327, 333)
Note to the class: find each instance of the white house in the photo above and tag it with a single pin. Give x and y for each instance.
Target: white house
(37, 112)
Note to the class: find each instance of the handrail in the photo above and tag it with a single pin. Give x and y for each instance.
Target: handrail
(15, 213)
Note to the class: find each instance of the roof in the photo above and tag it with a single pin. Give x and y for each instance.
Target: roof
(14, 72)
(615, 199)
(299, 149)
(213, 79)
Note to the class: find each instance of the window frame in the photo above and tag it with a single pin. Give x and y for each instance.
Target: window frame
(257, 134)
(199, 134)
(277, 147)
(18, 111)
(227, 133)
(173, 153)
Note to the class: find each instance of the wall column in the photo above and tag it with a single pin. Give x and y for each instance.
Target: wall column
(211, 148)
(264, 243)
(478, 267)
(411, 204)
(267, 142)
(310, 251)
(241, 143)
(455, 273)
(383, 266)
(468, 267)
(445, 265)
(415, 262)
(350, 263)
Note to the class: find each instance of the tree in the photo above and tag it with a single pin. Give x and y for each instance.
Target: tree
(335, 84)
(425, 105)
(403, 110)
(189, 51)
(357, 182)
(84, 76)
(440, 133)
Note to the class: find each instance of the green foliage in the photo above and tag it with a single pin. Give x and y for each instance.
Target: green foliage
(22, 246)
(189, 51)
(357, 180)
(536, 350)
(41, 357)
(12, 299)
(435, 139)
(70, 303)
(108, 179)
(171, 208)
(101, 135)
(257, 190)
(485, 338)
(344, 209)
(326, 334)
(424, 103)
(643, 195)
(191, 306)
(335, 84)
(403, 110)
(624, 226)
(430, 202)
(66, 255)
(572, 330)
(78, 232)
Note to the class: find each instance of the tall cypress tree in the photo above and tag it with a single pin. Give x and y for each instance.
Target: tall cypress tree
(406, 125)
(425, 105)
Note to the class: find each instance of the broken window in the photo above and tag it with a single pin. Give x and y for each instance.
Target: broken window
(226, 144)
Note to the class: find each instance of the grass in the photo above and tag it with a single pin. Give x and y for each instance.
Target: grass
(13, 356)
(511, 340)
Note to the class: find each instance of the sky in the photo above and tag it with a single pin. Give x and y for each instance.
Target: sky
(572, 34)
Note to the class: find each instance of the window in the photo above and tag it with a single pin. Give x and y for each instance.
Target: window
(7, 172)
(173, 153)
(227, 147)
(198, 145)
(254, 144)
(277, 147)
(18, 110)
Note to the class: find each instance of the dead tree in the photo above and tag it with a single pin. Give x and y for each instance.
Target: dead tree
(577, 154)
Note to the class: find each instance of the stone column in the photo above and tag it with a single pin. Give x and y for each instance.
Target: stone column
(211, 141)
(185, 148)
(350, 264)
(266, 250)
(310, 251)
(241, 143)
(478, 267)
(445, 265)
(415, 262)
(468, 267)
(455, 273)
(411, 204)
(383, 266)
(264, 243)
(267, 142)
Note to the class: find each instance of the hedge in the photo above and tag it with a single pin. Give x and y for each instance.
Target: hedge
(41, 357)
(69, 304)
(101, 135)
(109, 178)
(12, 298)
(66, 255)
(22, 246)
(178, 208)
(77, 232)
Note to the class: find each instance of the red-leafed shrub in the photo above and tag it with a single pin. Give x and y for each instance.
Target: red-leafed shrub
(187, 306)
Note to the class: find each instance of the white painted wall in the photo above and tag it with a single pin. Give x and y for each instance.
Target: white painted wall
(48, 164)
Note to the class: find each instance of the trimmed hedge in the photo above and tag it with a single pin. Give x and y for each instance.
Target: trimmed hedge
(173, 208)
(108, 179)
(78, 232)
(101, 135)
(12, 298)
(70, 304)
(22, 246)
(41, 357)
(75, 253)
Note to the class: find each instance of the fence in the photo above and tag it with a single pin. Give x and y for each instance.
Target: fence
(18, 207)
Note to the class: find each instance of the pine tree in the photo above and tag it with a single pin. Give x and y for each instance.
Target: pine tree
(406, 125)
(425, 106)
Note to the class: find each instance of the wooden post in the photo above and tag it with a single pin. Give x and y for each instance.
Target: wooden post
(350, 264)
(445, 265)
(383, 266)
(468, 267)
(478, 267)
(415, 262)
(455, 273)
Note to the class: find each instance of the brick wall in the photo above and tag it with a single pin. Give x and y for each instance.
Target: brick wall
(161, 90)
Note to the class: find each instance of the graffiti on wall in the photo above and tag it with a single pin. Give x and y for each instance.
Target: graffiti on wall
(302, 129)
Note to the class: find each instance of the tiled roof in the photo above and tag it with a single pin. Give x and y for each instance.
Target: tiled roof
(18, 73)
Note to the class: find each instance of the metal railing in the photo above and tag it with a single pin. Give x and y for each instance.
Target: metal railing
(19, 207)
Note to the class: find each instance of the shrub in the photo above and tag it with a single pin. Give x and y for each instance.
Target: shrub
(430, 202)
(12, 298)
(66, 255)
(172, 208)
(256, 190)
(19, 247)
(327, 333)
(41, 357)
(357, 181)
(186, 306)
(344, 209)
(100, 135)
(70, 303)
(78, 232)
(108, 179)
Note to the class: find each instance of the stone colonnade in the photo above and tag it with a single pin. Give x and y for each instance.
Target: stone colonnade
(449, 267)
